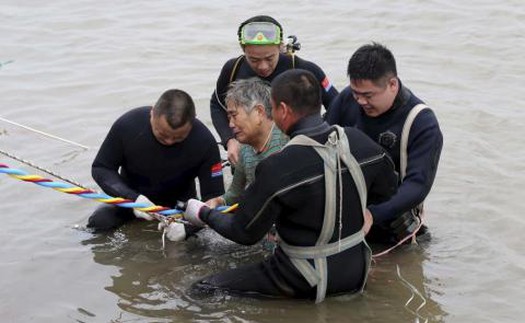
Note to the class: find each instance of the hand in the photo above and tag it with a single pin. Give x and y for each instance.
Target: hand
(369, 220)
(175, 231)
(140, 214)
(405, 224)
(233, 148)
(192, 212)
(214, 202)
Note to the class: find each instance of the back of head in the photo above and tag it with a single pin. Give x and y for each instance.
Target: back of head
(260, 30)
(299, 89)
(177, 106)
(372, 62)
(247, 93)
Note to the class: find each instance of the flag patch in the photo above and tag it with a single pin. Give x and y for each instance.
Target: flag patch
(326, 84)
(216, 170)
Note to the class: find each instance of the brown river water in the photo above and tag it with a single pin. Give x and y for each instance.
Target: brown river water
(70, 68)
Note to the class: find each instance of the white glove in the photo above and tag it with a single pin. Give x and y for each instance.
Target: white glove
(141, 214)
(192, 212)
(174, 231)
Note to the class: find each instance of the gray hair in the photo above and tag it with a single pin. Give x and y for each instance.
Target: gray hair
(248, 93)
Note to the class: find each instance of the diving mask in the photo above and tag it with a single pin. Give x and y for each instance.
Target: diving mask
(260, 33)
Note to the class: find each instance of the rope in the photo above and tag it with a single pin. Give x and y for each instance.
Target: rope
(27, 162)
(410, 236)
(44, 133)
(414, 292)
(74, 189)
(159, 212)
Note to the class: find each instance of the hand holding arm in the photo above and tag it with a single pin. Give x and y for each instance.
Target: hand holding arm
(214, 202)
(369, 220)
(233, 148)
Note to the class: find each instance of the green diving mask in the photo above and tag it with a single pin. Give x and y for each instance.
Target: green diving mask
(260, 33)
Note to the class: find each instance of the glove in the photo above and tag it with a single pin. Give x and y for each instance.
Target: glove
(140, 214)
(175, 231)
(405, 225)
(192, 212)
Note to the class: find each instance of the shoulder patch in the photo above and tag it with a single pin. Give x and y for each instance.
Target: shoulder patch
(216, 170)
(326, 84)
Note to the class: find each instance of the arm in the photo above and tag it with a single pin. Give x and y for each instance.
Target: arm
(210, 172)
(341, 108)
(424, 150)
(333, 115)
(383, 182)
(256, 213)
(218, 106)
(105, 167)
(238, 184)
(329, 92)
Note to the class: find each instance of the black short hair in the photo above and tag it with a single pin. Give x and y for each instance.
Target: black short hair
(372, 62)
(261, 18)
(177, 106)
(299, 89)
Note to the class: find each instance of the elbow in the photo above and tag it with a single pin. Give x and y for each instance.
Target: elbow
(248, 240)
(244, 237)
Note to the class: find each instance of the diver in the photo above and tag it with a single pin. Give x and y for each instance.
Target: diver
(265, 55)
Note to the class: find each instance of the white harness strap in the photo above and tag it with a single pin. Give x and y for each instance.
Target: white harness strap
(335, 150)
(403, 153)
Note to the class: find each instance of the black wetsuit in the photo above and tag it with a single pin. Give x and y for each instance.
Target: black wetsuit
(424, 146)
(164, 174)
(289, 190)
(244, 71)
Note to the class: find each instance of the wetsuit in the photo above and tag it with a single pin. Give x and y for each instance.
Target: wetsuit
(424, 148)
(164, 174)
(239, 69)
(289, 190)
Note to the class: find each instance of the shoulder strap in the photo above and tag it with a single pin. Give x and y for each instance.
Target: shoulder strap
(235, 67)
(403, 155)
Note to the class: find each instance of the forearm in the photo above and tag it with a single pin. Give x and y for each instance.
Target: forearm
(220, 121)
(232, 226)
(112, 183)
(237, 186)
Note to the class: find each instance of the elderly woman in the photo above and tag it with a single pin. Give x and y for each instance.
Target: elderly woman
(249, 113)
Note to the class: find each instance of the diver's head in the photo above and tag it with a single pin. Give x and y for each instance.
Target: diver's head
(261, 39)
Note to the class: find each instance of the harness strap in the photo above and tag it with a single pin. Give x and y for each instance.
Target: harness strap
(403, 154)
(325, 250)
(235, 66)
(335, 150)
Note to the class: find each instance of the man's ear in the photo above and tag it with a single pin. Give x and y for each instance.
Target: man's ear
(394, 84)
(287, 110)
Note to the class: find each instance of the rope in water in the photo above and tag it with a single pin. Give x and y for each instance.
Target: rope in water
(88, 193)
(44, 133)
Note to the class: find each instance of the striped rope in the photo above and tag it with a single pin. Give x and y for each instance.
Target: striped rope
(88, 193)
